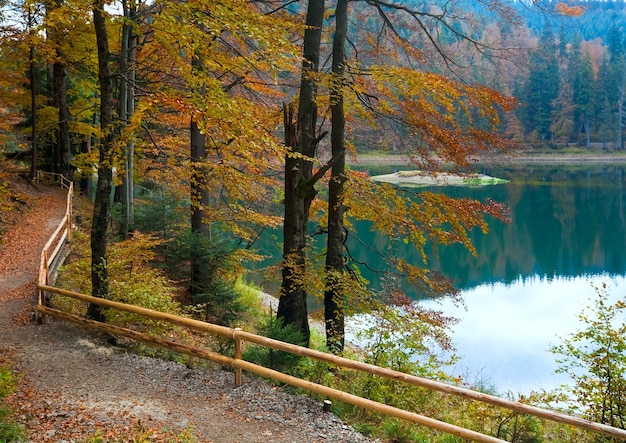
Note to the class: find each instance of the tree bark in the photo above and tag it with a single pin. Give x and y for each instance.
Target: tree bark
(101, 208)
(33, 109)
(200, 198)
(63, 131)
(85, 180)
(334, 312)
(33, 100)
(199, 201)
(60, 148)
(299, 183)
(126, 110)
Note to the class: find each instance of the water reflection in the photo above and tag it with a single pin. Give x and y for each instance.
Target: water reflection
(506, 329)
(531, 277)
(563, 223)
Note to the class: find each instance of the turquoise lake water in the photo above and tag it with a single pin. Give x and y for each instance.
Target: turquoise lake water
(533, 276)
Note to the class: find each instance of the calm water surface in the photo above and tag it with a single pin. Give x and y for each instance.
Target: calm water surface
(533, 276)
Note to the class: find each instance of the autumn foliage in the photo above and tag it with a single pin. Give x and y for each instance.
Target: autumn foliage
(227, 69)
(573, 11)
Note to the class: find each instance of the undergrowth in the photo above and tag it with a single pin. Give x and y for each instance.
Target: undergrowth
(10, 430)
(142, 435)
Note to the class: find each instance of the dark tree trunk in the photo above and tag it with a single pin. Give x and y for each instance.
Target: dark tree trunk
(85, 180)
(199, 201)
(33, 107)
(333, 295)
(63, 132)
(299, 183)
(33, 100)
(126, 110)
(101, 208)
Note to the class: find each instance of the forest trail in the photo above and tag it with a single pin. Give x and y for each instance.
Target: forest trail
(73, 383)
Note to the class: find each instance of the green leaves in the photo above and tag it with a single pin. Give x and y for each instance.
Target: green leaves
(594, 358)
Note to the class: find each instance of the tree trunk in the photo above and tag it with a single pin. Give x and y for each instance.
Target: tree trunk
(299, 186)
(85, 180)
(126, 110)
(33, 109)
(101, 208)
(333, 295)
(33, 100)
(130, 154)
(63, 131)
(199, 201)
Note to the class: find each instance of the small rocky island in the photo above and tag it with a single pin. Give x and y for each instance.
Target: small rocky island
(420, 178)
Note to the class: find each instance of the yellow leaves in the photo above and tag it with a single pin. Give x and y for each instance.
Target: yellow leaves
(229, 36)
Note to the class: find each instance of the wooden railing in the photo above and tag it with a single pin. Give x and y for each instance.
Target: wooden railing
(238, 364)
(53, 252)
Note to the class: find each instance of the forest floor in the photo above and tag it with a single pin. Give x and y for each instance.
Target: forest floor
(73, 384)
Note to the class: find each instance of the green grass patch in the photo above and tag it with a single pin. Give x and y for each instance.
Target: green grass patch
(10, 430)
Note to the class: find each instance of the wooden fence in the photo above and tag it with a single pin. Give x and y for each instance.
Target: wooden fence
(53, 252)
(238, 364)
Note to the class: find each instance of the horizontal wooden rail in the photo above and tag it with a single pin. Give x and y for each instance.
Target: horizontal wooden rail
(53, 177)
(125, 332)
(198, 325)
(251, 367)
(243, 336)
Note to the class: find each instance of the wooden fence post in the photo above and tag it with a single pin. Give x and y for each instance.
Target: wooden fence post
(69, 214)
(238, 356)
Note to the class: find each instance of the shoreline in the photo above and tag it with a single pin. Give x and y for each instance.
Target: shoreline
(538, 158)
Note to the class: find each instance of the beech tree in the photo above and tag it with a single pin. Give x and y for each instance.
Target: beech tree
(57, 34)
(127, 68)
(47, 46)
(302, 139)
(104, 187)
(22, 84)
(335, 259)
(212, 72)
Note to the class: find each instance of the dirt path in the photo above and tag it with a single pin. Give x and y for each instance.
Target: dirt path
(74, 384)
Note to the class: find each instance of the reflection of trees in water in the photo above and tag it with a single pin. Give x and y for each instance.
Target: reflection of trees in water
(564, 222)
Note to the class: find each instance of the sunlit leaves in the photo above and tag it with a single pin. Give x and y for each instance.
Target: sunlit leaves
(423, 221)
(448, 120)
(594, 358)
(216, 63)
(60, 33)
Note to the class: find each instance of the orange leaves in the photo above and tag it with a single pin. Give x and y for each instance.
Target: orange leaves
(573, 11)
(441, 114)
(421, 222)
(216, 63)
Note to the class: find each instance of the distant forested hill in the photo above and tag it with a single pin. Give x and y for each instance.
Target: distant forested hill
(595, 23)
